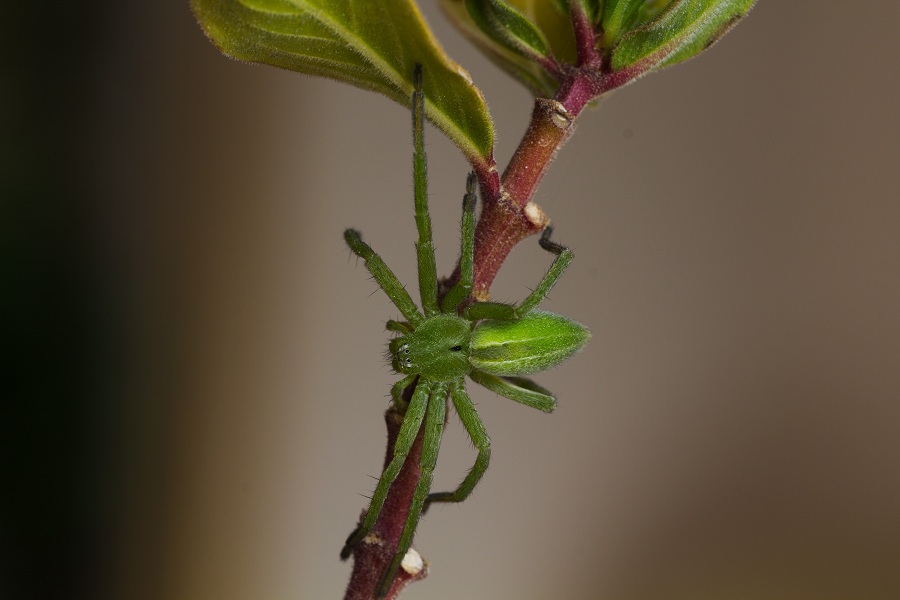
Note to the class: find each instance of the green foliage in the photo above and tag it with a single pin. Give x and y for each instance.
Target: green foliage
(510, 28)
(637, 36)
(374, 45)
(684, 29)
(618, 17)
(370, 44)
(545, 20)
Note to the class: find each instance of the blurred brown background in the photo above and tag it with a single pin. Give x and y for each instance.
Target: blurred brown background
(192, 366)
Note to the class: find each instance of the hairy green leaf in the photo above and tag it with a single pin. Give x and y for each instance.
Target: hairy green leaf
(507, 26)
(684, 29)
(618, 17)
(548, 18)
(370, 44)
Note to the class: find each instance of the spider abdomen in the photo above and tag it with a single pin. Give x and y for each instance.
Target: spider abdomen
(537, 341)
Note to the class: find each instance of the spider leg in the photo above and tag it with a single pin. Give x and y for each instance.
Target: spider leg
(431, 444)
(490, 310)
(384, 277)
(425, 245)
(409, 429)
(459, 292)
(497, 310)
(519, 389)
(472, 422)
(399, 326)
(563, 257)
(397, 390)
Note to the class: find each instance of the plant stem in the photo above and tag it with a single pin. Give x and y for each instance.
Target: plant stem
(509, 216)
(374, 553)
(584, 37)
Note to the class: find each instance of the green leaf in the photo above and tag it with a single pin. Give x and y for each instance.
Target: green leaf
(684, 29)
(370, 44)
(554, 21)
(550, 20)
(507, 26)
(619, 16)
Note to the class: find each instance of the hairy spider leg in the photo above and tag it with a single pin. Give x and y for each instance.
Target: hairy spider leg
(405, 438)
(475, 428)
(397, 391)
(425, 244)
(508, 312)
(519, 389)
(564, 256)
(399, 326)
(459, 292)
(431, 445)
(384, 277)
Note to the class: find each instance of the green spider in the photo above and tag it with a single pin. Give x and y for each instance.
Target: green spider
(493, 343)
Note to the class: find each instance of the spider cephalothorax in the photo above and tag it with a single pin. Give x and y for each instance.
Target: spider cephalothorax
(493, 343)
(437, 348)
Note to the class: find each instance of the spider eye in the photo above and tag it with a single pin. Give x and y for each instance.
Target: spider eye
(456, 348)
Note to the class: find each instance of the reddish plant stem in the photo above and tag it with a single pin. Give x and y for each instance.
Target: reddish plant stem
(510, 216)
(488, 177)
(374, 553)
(584, 37)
